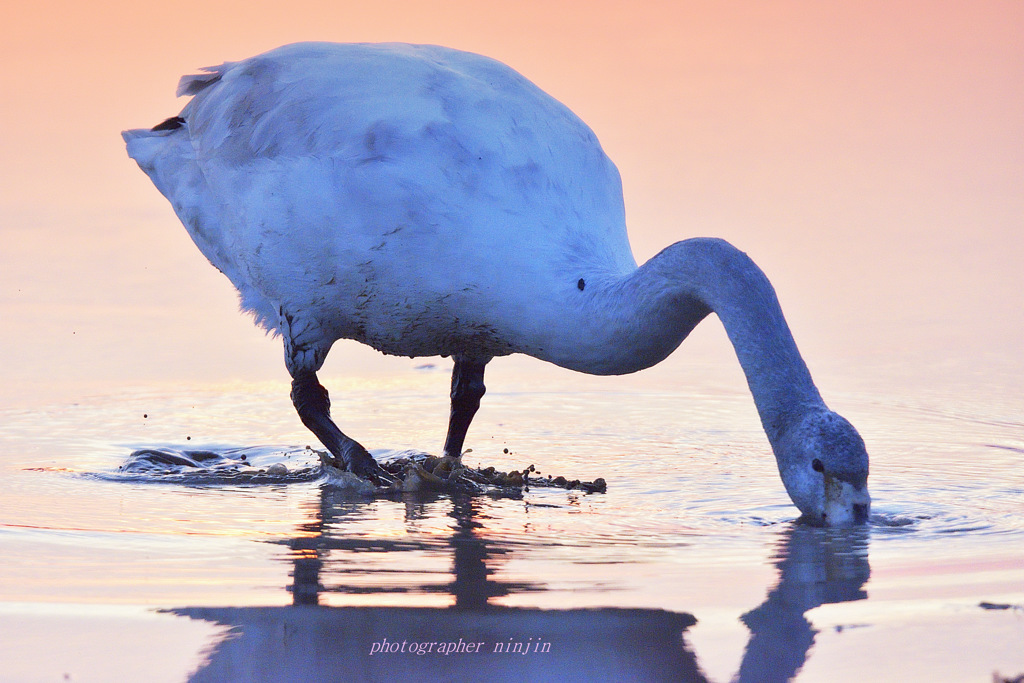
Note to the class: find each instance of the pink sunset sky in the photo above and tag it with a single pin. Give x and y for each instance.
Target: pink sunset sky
(869, 155)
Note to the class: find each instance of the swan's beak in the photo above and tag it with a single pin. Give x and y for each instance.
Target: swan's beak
(846, 504)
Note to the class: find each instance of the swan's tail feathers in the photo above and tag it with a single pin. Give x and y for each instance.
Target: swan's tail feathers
(194, 83)
(146, 145)
(166, 155)
(173, 123)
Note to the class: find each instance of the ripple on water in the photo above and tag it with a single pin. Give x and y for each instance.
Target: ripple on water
(933, 520)
(664, 498)
(216, 466)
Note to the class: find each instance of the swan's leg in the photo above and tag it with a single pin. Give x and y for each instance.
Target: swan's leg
(467, 390)
(305, 349)
(314, 407)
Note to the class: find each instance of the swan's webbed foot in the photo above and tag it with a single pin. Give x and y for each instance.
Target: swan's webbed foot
(359, 462)
(313, 405)
(364, 466)
(446, 464)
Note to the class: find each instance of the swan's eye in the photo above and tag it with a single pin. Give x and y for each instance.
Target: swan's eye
(817, 466)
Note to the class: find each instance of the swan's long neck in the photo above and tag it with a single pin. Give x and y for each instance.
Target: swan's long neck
(689, 279)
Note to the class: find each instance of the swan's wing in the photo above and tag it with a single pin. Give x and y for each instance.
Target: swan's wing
(368, 138)
(309, 161)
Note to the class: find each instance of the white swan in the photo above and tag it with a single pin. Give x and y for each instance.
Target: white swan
(427, 201)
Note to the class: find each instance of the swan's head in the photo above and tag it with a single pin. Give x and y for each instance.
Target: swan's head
(824, 467)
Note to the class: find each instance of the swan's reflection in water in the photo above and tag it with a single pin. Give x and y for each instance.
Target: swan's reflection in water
(473, 639)
(816, 567)
(474, 557)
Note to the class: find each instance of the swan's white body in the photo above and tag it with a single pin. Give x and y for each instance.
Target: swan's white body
(436, 202)
(427, 201)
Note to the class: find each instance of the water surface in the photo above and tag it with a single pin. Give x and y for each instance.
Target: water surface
(691, 565)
